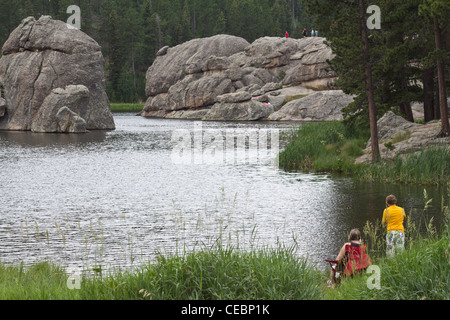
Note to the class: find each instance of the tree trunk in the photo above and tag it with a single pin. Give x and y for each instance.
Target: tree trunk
(443, 107)
(160, 40)
(405, 107)
(133, 68)
(428, 94)
(293, 13)
(369, 85)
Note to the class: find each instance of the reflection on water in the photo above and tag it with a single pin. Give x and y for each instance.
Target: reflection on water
(116, 199)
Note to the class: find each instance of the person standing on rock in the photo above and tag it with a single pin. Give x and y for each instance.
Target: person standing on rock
(305, 33)
(287, 35)
(317, 33)
(312, 33)
(393, 217)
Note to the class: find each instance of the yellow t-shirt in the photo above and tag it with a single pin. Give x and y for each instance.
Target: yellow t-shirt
(394, 217)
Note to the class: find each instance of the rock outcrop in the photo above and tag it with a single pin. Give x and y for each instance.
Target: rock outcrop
(185, 81)
(238, 107)
(63, 111)
(320, 106)
(44, 55)
(398, 136)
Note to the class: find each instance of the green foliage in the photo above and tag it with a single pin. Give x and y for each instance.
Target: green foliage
(131, 32)
(322, 147)
(427, 167)
(126, 107)
(400, 52)
(331, 147)
(43, 281)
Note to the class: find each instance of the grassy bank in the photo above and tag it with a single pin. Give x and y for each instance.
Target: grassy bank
(127, 107)
(214, 274)
(421, 271)
(328, 147)
(322, 147)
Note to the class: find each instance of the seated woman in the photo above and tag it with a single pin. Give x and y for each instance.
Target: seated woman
(352, 258)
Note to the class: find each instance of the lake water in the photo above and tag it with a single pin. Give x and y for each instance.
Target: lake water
(120, 198)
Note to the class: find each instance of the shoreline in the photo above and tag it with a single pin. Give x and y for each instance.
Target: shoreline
(230, 274)
(329, 148)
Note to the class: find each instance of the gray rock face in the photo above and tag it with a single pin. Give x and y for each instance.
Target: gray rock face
(189, 58)
(44, 55)
(199, 74)
(320, 106)
(404, 136)
(240, 111)
(60, 109)
(391, 125)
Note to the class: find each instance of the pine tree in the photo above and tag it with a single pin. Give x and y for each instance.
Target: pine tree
(221, 24)
(115, 52)
(185, 34)
(369, 84)
(438, 12)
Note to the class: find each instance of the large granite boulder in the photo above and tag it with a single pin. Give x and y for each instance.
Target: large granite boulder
(320, 106)
(238, 106)
(43, 55)
(397, 136)
(188, 78)
(63, 111)
(250, 110)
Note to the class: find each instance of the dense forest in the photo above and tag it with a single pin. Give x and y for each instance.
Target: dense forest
(406, 59)
(132, 32)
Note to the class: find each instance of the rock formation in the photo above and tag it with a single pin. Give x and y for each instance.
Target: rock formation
(315, 107)
(198, 79)
(44, 62)
(403, 137)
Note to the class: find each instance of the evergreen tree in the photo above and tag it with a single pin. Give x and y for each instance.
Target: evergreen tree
(115, 53)
(131, 32)
(438, 12)
(221, 24)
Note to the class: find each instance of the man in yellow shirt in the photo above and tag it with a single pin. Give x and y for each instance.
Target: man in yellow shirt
(393, 217)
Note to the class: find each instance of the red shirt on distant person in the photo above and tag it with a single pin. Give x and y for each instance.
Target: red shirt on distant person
(287, 34)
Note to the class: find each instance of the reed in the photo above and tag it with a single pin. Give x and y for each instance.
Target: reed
(320, 147)
(329, 147)
(215, 274)
(42, 281)
(429, 166)
(224, 271)
(422, 271)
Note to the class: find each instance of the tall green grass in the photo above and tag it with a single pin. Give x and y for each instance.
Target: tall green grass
(213, 274)
(217, 274)
(421, 271)
(430, 166)
(321, 147)
(224, 272)
(43, 281)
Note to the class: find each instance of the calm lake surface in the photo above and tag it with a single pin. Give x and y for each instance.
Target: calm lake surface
(118, 199)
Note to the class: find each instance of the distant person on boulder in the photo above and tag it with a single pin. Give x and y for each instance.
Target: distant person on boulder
(312, 33)
(287, 35)
(305, 33)
(317, 33)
